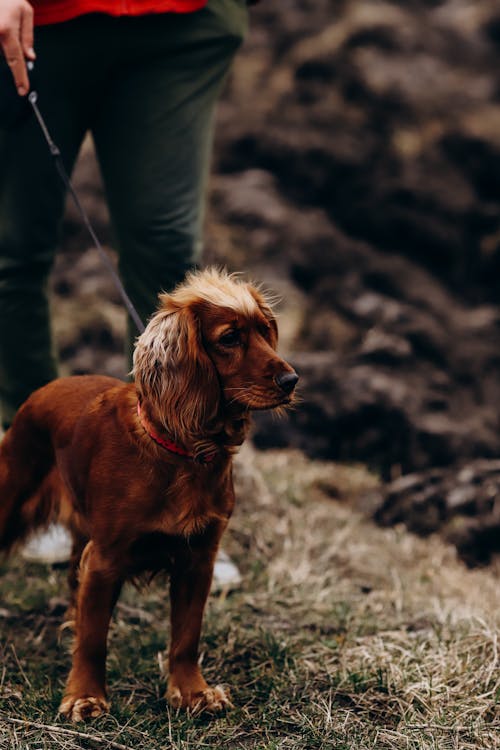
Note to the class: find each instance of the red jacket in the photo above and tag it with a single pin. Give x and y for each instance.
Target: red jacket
(55, 11)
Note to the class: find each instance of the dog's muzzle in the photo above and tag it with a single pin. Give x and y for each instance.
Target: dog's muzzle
(286, 381)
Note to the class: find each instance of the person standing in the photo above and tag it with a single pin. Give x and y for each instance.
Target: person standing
(143, 77)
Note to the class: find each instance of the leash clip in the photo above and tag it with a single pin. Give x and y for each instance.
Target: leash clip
(32, 98)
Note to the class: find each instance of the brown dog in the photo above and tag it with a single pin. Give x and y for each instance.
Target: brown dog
(141, 473)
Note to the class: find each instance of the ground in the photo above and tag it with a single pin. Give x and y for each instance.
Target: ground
(356, 170)
(343, 635)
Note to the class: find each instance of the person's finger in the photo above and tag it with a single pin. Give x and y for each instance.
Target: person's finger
(27, 32)
(15, 58)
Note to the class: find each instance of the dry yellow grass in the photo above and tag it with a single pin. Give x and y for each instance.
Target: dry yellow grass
(413, 648)
(343, 636)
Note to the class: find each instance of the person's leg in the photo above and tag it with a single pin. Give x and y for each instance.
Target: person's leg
(70, 82)
(31, 207)
(154, 135)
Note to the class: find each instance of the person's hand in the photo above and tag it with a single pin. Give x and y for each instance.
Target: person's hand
(16, 39)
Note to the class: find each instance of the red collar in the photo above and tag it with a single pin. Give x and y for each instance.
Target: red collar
(169, 444)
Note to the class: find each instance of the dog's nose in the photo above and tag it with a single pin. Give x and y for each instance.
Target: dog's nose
(287, 381)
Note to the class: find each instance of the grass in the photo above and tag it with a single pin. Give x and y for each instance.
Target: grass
(342, 636)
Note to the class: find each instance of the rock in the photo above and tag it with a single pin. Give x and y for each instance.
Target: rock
(384, 348)
(479, 541)
(460, 502)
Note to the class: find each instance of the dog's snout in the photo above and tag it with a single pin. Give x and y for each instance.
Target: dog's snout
(287, 381)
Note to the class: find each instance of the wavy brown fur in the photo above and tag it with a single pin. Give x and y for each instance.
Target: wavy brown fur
(78, 448)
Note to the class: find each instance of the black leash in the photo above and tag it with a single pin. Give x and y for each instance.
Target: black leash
(55, 152)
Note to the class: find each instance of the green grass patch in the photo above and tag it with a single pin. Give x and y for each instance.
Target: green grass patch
(343, 636)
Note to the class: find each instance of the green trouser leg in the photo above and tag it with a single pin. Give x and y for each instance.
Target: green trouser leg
(154, 143)
(146, 87)
(31, 206)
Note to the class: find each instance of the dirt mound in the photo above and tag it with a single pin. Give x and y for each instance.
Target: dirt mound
(358, 151)
(357, 169)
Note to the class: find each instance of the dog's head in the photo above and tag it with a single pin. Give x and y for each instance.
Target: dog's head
(210, 350)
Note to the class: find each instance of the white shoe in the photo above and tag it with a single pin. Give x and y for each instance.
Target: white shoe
(53, 545)
(226, 574)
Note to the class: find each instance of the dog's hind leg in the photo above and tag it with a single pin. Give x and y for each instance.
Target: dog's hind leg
(79, 543)
(26, 480)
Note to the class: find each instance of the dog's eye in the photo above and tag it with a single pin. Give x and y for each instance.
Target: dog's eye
(231, 338)
(265, 331)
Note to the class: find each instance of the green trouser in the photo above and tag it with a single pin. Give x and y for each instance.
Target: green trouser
(146, 88)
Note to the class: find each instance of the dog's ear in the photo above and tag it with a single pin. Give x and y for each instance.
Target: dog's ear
(174, 374)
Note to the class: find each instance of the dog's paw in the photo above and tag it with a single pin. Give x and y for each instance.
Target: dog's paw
(81, 709)
(211, 700)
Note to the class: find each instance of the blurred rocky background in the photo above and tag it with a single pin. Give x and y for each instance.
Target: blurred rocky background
(357, 173)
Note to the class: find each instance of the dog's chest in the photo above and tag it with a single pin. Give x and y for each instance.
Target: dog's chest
(193, 501)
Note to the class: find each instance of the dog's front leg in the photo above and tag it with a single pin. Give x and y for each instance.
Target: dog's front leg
(85, 695)
(189, 588)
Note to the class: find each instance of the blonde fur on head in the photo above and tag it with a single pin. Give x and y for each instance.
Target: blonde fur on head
(218, 287)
